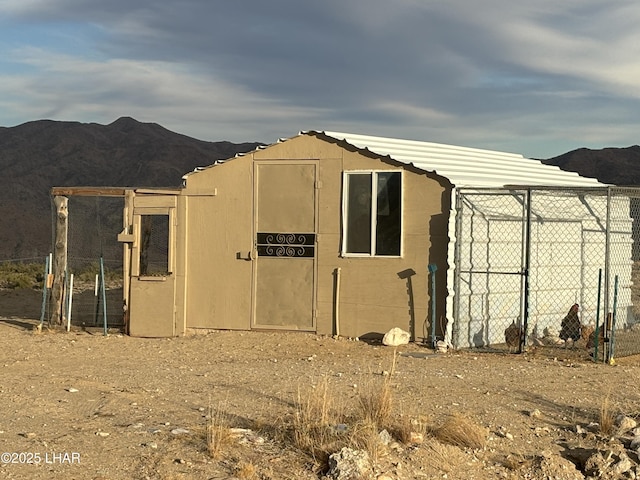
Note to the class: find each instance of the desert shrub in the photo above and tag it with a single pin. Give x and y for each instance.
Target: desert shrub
(375, 402)
(21, 275)
(87, 274)
(461, 431)
(316, 422)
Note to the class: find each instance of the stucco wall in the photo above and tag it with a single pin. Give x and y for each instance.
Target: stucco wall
(373, 297)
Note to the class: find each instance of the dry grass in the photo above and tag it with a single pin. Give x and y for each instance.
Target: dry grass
(246, 471)
(444, 458)
(316, 421)
(407, 426)
(606, 419)
(375, 402)
(364, 435)
(461, 431)
(218, 433)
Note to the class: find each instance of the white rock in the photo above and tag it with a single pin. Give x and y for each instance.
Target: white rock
(625, 423)
(396, 337)
(624, 465)
(385, 437)
(72, 390)
(179, 431)
(102, 434)
(348, 464)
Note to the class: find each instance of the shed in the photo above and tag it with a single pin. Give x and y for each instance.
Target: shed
(335, 233)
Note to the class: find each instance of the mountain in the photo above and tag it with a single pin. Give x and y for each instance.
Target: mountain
(617, 166)
(42, 154)
(38, 155)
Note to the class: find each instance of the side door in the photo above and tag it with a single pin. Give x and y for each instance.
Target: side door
(285, 245)
(152, 286)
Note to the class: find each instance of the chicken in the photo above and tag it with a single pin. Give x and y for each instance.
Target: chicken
(570, 326)
(512, 336)
(591, 338)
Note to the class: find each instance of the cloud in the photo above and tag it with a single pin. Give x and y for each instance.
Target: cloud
(543, 75)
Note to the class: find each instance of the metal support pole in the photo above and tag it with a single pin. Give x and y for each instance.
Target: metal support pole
(432, 270)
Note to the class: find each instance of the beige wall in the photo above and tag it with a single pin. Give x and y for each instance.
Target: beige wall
(218, 204)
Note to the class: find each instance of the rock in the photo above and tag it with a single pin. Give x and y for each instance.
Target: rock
(416, 438)
(396, 337)
(72, 390)
(623, 465)
(102, 434)
(385, 437)
(625, 423)
(635, 442)
(348, 464)
(179, 431)
(535, 413)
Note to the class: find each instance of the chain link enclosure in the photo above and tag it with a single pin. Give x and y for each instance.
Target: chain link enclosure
(540, 267)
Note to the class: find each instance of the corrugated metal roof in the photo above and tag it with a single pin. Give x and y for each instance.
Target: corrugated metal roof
(463, 166)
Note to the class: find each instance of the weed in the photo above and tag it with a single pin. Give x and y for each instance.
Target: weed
(315, 422)
(460, 431)
(375, 402)
(246, 471)
(606, 420)
(218, 434)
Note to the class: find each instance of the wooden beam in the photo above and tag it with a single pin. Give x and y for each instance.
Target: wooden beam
(89, 191)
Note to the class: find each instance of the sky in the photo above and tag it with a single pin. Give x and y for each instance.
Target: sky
(539, 78)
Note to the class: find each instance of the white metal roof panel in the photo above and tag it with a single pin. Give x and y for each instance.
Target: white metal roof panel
(464, 166)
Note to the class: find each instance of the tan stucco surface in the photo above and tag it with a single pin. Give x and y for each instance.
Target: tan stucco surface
(216, 232)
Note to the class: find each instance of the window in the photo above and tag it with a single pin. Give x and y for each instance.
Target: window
(154, 245)
(372, 213)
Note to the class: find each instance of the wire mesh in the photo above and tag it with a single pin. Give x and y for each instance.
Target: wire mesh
(93, 226)
(539, 267)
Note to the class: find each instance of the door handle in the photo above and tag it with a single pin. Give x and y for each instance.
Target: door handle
(248, 256)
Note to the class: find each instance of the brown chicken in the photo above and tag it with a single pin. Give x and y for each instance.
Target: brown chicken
(512, 336)
(589, 334)
(570, 326)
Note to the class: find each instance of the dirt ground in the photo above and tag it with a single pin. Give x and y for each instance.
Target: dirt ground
(81, 405)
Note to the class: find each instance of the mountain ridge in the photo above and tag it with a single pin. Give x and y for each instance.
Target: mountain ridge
(38, 155)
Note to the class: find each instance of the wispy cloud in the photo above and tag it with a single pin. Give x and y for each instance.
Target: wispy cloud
(538, 77)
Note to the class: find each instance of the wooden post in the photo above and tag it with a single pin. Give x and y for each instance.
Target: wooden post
(59, 260)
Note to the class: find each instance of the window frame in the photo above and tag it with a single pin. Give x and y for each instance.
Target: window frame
(171, 247)
(374, 207)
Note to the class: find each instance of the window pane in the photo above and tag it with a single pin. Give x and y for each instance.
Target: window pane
(388, 219)
(359, 213)
(154, 245)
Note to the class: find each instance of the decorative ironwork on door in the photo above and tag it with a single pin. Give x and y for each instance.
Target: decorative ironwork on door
(286, 244)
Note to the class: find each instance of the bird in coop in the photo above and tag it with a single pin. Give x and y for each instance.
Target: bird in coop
(571, 326)
(512, 336)
(590, 335)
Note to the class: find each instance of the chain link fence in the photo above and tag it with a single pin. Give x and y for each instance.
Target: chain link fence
(548, 267)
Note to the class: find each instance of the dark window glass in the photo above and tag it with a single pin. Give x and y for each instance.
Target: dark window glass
(384, 196)
(154, 245)
(388, 219)
(359, 213)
